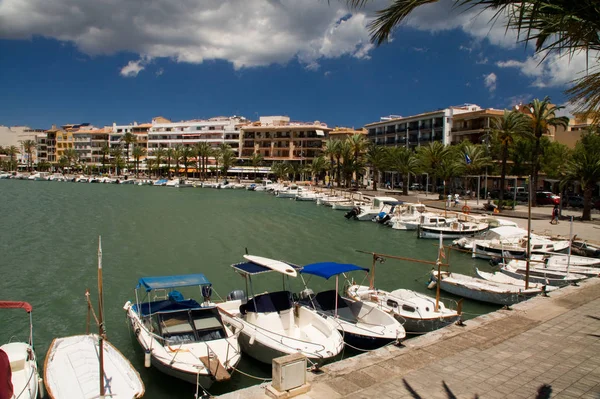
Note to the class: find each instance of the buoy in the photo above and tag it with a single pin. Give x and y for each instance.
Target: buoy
(252, 338)
(466, 209)
(147, 359)
(41, 390)
(431, 284)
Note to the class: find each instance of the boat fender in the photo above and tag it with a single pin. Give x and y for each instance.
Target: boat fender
(466, 210)
(137, 331)
(431, 285)
(296, 310)
(147, 358)
(252, 339)
(41, 388)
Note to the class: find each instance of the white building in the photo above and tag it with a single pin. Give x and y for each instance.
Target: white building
(14, 136)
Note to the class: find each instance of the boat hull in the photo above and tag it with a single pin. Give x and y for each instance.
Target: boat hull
(26, 380)
(509, 298)
(430, 232)
(420, 326)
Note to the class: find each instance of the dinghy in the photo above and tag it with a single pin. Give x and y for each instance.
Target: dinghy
(182, 337)
(25, 381)
(270, 325)
(88, 366)
(363, 325)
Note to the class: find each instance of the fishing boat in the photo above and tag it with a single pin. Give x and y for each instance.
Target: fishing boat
(543, 276)
(271, 324)
(88, 366)
(20, 363)
(182, 337)
(584, 248)
(363, 325)
(409, 216)
(501, 278)
(451, 229)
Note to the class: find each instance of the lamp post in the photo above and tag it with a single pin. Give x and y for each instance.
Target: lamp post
(426, 184)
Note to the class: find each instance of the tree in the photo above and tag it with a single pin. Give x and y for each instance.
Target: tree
(318, 166)
(256, 160)
(117, 159)
(137, 152)
(226, 157)
(358, 145)
(543, 116)
(405, 162)
(12, 152)
(128, 139)
(159, 154)
(554, 26)
(170, 154)
(280, 169)
(439, 161)
(584, 167)
(333, 150)
(29, 146)
(72, 158)
(104, 151)
(472, 159)
(505, 131)
(186, 154)
(203, 151)
(377, 159)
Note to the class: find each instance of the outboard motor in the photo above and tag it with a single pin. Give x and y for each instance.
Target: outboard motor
(495, 261)
(352, 213)
(237, 295)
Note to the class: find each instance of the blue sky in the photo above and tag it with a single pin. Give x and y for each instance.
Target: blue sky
(306, 59)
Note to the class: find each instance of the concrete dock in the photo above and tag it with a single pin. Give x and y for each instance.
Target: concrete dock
(548, 344)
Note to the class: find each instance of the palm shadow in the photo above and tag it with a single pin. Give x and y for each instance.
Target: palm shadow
(543, 392)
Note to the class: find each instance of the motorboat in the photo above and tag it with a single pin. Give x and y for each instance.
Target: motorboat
(289, 192)
(501, 278)
(562, 260)
(181, 337)
(180, 183)
(451, 229)
(540, 275)
(4, 176)
(88, 366)
(387, 211)
(18, 362)
(330, 200)
(308, 196)
(347, 205)
(272, 325)
(38, 176)
(483, 290)
(509, 241)
(545, 264)
(369, 212)
(364, 325)
(584, 248)
(81, 179)
(410, 215)
(160, 182)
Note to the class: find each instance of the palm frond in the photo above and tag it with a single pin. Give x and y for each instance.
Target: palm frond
(585, 95)
(387, 19)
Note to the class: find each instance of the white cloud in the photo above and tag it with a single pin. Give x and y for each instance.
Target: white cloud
(554, 70)
(160, 71)
(482, 61)
(490, 81)
(132, 69)
(246, 33)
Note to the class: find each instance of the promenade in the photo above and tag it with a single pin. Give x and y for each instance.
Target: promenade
(549, 343)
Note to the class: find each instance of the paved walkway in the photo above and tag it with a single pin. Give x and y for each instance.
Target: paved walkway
(552, 342)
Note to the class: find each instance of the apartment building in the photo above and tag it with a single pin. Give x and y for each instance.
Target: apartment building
(15, 136)
(276, 138)
(474, 126)
(577, 125)
(342, 133)
(88, 144)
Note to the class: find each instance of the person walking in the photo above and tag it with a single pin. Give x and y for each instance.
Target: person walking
(555, 213)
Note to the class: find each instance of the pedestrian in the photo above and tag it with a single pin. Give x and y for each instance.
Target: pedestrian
(456, 199)
(555, 213)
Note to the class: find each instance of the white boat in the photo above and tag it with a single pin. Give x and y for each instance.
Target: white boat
(542, 276)
(329, 200)
(363, 325)
(501, 278)
(416, 312)
(451, 229)
(39, 176)
(482, 290)
(347, 205)
(88, 366)
(180, 183)
(308, 196)
(369, 212)
(20, 362)
(289, 192)
(160, 182)
(541, 263)
(574, 260)
(182, 337)
(409, 215)
(4, 176)
(81, 179)
(272, 326)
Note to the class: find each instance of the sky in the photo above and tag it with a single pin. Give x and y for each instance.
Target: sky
(105, 61)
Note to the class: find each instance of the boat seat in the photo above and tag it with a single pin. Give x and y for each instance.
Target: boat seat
(17, 356)
(325, 301)
(148, 308)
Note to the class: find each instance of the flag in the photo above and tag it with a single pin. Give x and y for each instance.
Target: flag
(467, 159)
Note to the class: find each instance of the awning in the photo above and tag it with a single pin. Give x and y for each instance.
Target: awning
(320, 132)
(187, 280)
(16, 305)
(328, 269)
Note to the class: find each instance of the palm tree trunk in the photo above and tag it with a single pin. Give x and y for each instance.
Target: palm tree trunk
(375, 179)
(503, 173)
(587, 202)
(534, 171)
(404, 186)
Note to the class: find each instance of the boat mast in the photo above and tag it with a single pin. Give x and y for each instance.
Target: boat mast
(438, 262)
(101, 317)
(528, 235)
(570, 244)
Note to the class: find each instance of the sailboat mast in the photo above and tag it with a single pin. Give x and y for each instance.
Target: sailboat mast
(101, 318)
(439, 277)
(528, 236)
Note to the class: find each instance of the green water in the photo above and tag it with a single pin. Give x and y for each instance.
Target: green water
(48, 254)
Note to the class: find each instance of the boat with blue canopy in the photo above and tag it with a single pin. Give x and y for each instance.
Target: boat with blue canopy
(362, 324)
(182, 337)
(272, 325)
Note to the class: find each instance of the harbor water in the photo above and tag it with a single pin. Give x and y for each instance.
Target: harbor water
(48, 255)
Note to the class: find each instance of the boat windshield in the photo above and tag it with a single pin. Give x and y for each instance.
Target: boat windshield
(187, 326)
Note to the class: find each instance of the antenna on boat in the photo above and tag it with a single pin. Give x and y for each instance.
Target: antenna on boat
(101, 317)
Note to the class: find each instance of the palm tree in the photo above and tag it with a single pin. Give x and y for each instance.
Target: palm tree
(377, 159)
(584, 167)
(332, 148)
(280, 169)
(543, 116)
(203, 150)
(28, 147)
(128, 139)
(72, 157)
(226, 157)
(151, 164)
(562, 27)
(405, 162)
(256, 160)
(137, 152)
(104, 151)
(318, 166)
(438, 160)
(159, 154)
(12, 152)
(186, 154)
(471, 160)
(358, 145)
(170, 154)
(117, 159)
(505, 131)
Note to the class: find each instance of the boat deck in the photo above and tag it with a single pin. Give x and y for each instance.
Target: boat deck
(547, 340)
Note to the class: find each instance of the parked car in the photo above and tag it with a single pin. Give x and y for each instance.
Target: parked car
(547, 198)
(416, 187)
(575, 201)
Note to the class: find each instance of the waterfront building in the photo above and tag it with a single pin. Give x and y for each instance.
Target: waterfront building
(88, 143)
(277, 138)
(342, 133)
(577, 125)
(474, 126)
(14, 136)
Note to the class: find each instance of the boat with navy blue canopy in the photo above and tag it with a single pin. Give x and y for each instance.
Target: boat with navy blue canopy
(362, 324)
(273, 326)
(182, 337)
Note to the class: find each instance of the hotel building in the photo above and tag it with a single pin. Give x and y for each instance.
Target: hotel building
(474, 126)
(276, 138)
(342, 133)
